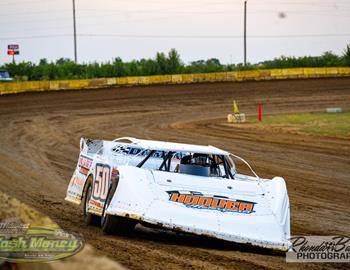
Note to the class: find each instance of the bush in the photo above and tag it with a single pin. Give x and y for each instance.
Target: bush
(170, 63)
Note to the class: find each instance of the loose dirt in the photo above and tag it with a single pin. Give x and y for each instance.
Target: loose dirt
(39, 147)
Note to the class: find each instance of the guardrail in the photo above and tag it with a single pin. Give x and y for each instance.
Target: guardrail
(233, 76)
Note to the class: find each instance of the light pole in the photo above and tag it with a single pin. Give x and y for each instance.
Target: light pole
(245, 33)
(75, 34)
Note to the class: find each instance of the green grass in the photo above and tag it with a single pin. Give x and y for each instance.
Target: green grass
(327, 124)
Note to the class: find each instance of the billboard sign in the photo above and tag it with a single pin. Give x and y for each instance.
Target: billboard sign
(12, 52)
(13, 47)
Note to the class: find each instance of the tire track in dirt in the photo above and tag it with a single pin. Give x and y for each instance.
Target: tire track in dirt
(39, 146)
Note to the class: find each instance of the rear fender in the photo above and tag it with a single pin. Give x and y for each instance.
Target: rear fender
(83, 169)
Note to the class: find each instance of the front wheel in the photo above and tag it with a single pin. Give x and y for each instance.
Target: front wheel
(114, 224)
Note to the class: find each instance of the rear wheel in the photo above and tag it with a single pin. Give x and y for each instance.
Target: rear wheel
(89, 219)
(114, 224)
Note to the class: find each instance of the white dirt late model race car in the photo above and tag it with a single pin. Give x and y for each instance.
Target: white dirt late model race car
(182, 187)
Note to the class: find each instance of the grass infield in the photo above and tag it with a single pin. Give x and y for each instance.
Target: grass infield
(326, 124)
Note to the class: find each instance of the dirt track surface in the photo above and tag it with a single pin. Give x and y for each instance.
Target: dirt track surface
(39, 147)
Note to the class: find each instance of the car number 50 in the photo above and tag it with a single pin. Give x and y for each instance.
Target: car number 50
(102, 176)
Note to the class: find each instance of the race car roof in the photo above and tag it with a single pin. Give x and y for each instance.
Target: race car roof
(170, 146)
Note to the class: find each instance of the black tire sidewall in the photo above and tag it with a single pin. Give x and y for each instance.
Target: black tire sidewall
(110, 194)
(89, 219)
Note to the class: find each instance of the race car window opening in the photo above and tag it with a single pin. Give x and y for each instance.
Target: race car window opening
(199, 164)
(206, 165)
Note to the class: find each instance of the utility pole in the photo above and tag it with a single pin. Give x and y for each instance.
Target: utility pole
(245, 33)
(75, 34)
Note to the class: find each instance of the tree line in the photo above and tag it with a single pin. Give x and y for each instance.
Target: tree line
(161, 64)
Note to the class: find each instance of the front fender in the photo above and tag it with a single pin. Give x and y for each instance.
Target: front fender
(276, 193)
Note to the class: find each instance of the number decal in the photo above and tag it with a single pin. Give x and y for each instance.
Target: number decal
(102, 175)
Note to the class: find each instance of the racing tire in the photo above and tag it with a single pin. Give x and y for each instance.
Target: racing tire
(89, 219)
(115, 225)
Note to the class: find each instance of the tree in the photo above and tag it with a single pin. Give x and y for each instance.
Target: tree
(119, 67)
(330, 59)
(213, 65)
(63, 61)
(346, 55)
(43, 61)
(161, 63)
(148, 67)
(214, 62)
(174, 62)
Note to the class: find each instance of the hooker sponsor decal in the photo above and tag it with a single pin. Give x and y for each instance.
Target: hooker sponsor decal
(84, 164)
(220, 203)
